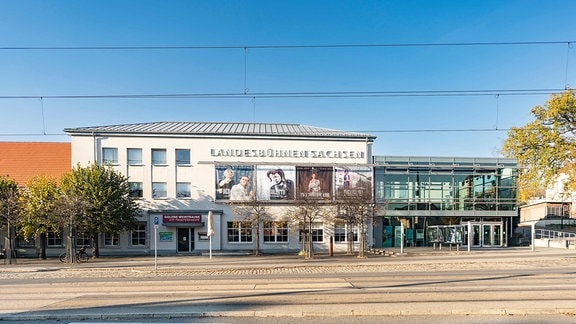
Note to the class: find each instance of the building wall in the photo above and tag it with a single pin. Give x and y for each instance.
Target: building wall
(206, 155)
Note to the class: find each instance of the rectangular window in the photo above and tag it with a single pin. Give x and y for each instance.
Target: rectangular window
(136, 189)
(134, 156)
(182, 157)
(159, 156)
(239, 232)
(275, 232)
(53, 239)
(159, 190)
(343, 231)
(138, 236)
(109, 155)
(82, 239)
(317, 234)
(183, 189)
(111, 239)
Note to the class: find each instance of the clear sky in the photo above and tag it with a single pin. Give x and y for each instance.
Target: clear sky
(261, 60)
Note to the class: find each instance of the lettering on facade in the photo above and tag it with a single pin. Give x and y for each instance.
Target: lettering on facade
(181, 218)
(293, 154)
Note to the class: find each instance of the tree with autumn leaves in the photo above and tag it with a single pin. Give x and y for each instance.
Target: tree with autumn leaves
(545, 147)
(93, 200)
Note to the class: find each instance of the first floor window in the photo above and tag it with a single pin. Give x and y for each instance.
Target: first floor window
(239, 232)
(317, 232)
(53, 239)
(275, 232)
(138, 236)
(343, 231)
(183, 189)
(83, 239)
(159, 190)
(111, 239)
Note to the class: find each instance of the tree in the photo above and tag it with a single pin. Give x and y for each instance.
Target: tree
(9, 210)
(356, 208)
(38, 201)
(71, 210)
(304, 214)
(109, 206)
(256, 213)
(545, 147)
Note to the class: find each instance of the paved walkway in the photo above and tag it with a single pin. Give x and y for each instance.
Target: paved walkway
(168, 267)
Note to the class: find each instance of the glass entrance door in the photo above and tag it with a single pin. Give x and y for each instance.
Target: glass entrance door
(486, 234)
(185, 240)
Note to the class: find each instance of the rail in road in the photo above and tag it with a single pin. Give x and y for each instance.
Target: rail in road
(535, 285)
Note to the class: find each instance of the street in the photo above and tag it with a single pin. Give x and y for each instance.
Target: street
(508, 285)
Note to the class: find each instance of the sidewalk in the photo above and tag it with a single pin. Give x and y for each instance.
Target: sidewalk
(223, 261)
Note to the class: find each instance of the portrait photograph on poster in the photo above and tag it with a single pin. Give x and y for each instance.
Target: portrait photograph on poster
(353, 181)
(275, 183)
(314, 182)
(234, 182)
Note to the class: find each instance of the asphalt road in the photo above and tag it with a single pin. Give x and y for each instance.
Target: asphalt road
(511, 285)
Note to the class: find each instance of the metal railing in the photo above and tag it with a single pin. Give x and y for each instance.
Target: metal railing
(553, 234)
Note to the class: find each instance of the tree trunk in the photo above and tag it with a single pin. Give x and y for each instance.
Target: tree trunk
(42, 249)
(95, 249)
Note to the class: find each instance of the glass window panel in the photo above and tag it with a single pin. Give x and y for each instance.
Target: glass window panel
(158, 156)
(134, 156)
(159, 190)
(182, 157)
(183, 190)
(110, 155)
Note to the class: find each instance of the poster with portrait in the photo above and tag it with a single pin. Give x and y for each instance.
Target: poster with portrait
(276, 183)
(234, 182)
(314, 183)
(353, 181)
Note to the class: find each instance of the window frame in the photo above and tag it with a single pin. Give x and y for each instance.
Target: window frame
(106, 152)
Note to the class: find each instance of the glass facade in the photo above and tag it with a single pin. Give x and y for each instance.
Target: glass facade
(446, 184)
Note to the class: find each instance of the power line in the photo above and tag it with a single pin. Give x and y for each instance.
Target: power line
(321, 94)
(245, 47)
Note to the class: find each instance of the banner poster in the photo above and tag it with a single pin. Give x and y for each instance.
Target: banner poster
(275, 183)
(314, 183)
(353, 181)
(234, 182)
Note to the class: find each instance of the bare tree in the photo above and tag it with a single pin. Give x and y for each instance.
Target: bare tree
(256, 213)
(356, 208)
(304, 214)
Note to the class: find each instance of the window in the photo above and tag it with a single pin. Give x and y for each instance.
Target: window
(275, 232)
(317, 232)
(159, 190)
(110, 155)
(182, 157)
(136, 189)
(341, 232)
(183, 189)
(158, 156)
(138, 236)
(111, 239)
(82, 239)
(134, 156)
(53, 239)
(239, 232)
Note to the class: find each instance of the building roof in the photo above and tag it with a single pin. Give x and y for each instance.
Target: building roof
(220, 129)
(22, 161)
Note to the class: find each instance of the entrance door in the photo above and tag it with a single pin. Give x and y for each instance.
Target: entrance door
(185, 240)
(486, 234)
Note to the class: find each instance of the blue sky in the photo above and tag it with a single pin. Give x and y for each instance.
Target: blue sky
(438, 125)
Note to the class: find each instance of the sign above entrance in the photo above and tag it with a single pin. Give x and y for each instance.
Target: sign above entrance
(181, 218)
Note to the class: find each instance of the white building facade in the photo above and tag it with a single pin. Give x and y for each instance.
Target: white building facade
(184, 171)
